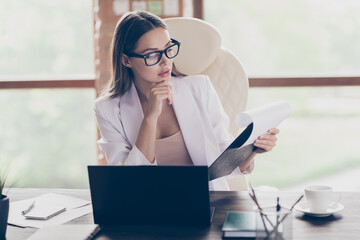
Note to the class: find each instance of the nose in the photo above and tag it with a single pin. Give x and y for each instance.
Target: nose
(164, 60)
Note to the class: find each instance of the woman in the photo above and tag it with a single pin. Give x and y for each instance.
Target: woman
(150, 114)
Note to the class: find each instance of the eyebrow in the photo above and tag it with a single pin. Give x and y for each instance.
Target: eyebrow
(154, 49)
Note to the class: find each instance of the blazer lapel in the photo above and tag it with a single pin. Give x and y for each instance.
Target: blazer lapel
(187, 115)
(131, 114)
(190, 124)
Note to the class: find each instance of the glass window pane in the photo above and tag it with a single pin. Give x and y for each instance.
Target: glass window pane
(300, 37)
(48, 137)
(46, 38)
(319, 139)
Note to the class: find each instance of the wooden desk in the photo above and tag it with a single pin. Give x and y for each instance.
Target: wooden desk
(343, 225)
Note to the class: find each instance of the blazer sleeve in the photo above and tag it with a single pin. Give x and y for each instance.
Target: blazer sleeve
(220, 122)
(114, 143)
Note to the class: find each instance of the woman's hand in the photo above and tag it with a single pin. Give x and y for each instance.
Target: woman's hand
(158, 94)
(266, 142)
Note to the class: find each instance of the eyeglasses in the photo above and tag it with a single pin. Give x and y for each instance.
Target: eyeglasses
(153, 58)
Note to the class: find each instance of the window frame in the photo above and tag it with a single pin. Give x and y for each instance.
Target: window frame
(48, 84)
(253, 82)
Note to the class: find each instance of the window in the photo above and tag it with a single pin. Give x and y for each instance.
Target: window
(299, 38)
(290, 38)
(48, 136)
(319, 139)
(46, 39)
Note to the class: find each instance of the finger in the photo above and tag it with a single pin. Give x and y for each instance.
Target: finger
(162, 83)
(162, 95)
(167, 88)
(160, 91)
(266, 143)
(262, 146)
(161, 88)
(171, 97)
(267, 137)
(273, 131)
(268, 146)
(157, 92)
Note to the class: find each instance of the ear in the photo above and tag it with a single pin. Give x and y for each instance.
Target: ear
(125, 61)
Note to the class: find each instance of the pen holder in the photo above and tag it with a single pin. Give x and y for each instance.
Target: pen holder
(274, 225)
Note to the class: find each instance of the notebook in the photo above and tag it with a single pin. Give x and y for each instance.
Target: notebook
(156, 195)
(240, 224)
(244, 225)
(68, 232)
(43, 213)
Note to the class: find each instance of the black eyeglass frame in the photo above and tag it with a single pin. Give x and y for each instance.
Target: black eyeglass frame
(175, 42)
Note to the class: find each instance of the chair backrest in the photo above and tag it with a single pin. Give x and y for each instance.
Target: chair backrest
(201, 52)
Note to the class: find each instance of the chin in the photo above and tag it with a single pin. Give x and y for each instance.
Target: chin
(167, 78)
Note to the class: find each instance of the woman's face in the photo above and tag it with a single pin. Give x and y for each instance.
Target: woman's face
(155, 40)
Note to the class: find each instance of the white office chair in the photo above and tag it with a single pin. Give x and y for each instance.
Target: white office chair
(201, 52)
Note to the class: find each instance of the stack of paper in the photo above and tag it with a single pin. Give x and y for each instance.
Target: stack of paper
(74, 208)
(68, 232)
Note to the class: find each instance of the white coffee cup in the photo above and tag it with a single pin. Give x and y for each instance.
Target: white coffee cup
(320, 198)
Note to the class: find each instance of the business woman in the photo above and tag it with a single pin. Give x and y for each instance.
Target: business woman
(151, 114)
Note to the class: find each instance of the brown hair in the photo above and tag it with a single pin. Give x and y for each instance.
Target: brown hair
(129, 29)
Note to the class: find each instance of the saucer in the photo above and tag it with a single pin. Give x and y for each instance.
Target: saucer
(304, 208)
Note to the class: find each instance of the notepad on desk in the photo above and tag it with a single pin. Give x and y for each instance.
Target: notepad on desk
(49, 208)
(39, 212)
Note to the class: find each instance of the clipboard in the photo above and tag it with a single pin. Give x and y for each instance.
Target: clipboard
(231, 158)
(257, 122)
(44, 213)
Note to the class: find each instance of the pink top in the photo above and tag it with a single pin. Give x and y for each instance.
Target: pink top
(172, 151)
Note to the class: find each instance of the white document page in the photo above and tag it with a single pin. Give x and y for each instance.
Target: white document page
(75, 208)
(263, 118)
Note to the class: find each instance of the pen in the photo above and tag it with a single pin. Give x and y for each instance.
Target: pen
(278, 207)
(28, 209)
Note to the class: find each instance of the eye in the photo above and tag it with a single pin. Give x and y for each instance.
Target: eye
(171, 49)
(151, 56)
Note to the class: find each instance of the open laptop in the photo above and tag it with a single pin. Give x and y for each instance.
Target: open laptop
(150, 195)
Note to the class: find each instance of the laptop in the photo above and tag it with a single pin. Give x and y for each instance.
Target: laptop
(150, 195)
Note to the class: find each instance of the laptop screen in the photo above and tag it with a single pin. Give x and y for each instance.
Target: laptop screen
(150, 195)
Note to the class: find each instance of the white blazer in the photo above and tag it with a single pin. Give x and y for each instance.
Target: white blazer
(202, 120)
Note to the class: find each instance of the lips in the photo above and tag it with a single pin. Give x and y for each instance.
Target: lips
(164, 73)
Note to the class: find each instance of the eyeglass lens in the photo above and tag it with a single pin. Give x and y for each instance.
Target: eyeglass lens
(155, 57)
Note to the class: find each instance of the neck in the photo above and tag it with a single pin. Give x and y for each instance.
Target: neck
(143, 89)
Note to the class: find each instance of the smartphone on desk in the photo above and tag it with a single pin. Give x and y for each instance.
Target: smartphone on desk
(44, 212)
